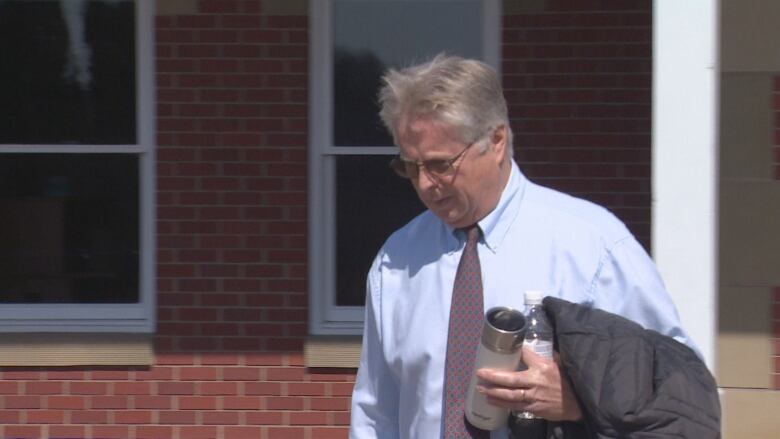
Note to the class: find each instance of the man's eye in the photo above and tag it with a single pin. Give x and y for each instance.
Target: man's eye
(437, 165)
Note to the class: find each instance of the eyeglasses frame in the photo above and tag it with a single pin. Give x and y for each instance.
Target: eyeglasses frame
(398, 164)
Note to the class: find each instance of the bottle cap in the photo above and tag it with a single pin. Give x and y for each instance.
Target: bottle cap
(533, 297)
(504, 329)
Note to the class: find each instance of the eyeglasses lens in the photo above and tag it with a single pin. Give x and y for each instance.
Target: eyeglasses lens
(407, 169)
(403, 168)
(438, 167)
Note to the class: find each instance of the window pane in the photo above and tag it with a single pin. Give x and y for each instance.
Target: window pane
(371, 36)
(68, 72)
(372, 202)
(69, 228)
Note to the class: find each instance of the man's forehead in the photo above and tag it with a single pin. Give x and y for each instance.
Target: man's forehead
(412, 128)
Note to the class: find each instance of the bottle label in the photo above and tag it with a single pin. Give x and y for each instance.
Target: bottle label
(543, 348)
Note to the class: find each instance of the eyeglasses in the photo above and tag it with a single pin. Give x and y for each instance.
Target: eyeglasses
(434, 167)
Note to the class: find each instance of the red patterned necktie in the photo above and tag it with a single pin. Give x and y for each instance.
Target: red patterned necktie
(465, 328)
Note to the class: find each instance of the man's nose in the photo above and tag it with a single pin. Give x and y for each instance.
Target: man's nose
(425, 181)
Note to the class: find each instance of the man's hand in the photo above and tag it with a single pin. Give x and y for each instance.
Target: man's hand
(541, 389)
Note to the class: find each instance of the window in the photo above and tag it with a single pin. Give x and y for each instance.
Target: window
(76, 166)
(355, 200)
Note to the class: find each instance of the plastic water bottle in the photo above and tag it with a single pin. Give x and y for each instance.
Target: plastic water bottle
(539, 337)
(539, 334)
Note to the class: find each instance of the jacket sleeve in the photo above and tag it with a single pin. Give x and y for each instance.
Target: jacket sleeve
(632, 382)
(375, 397)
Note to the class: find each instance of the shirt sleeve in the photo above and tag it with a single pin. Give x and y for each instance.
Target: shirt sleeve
(375, 396)
(627, 283)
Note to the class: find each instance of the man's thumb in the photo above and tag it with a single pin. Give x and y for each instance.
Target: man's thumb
(530, 357)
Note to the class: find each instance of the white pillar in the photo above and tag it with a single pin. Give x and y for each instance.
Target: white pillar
(685, 152)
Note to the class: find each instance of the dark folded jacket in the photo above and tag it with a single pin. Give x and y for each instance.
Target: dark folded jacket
(632, 382)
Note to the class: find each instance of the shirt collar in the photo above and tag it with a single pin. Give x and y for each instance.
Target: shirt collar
(497, 223)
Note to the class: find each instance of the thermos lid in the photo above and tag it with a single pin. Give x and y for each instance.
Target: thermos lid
(504, 329)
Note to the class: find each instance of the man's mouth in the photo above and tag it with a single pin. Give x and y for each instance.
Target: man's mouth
(441, 201)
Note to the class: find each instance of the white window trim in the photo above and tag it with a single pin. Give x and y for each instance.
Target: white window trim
(324, 317)
(131, 318)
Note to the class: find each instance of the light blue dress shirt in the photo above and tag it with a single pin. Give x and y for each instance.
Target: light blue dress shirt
(535, 239)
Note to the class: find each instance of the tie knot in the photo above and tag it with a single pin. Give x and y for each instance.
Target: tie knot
(472, 233)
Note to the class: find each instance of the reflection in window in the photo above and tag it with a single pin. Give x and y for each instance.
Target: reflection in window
(356, 82)
(69, 228)
(356, 200)
(372, 202)
(370, 37)
(68, 72)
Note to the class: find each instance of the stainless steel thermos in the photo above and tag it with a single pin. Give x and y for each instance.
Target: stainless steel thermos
(502, 338)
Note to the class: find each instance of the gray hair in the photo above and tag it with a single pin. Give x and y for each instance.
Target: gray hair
(462, 93)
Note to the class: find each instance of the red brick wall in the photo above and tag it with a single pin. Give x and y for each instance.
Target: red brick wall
(578, 79)
(187, 396)
(232, 87)
(776, 169)
(232, 136)
(776, 108)
(232, 106)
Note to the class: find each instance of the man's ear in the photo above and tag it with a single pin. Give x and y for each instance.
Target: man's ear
(498, 140)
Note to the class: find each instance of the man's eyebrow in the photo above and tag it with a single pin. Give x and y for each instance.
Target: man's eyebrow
(435, 159)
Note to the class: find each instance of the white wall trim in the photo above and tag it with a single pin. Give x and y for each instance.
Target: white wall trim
(685, 161)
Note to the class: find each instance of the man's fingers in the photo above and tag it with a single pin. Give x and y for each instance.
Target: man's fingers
(503, 378)
(505, 397)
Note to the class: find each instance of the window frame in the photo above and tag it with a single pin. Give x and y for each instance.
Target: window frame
(133, 317)
(326, 318)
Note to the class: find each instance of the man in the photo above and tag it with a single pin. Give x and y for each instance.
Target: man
(449, 120)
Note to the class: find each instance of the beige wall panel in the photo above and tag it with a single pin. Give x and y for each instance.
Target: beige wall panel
(746, 126)
(749, 238)
(750, 414)
(744, 360)
(324, 351)
(76, 349)
(750, 35)
(744, 357)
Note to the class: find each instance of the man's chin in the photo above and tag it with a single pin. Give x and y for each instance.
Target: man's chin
(454, 222)
(450, 217)
(443, 216)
